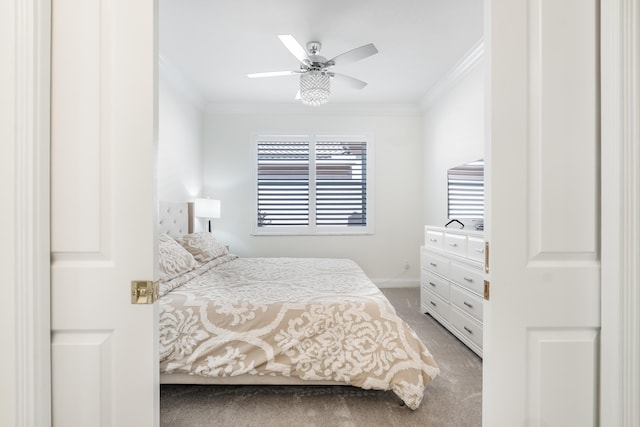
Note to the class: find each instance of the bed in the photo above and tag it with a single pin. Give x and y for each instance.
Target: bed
(231, 320)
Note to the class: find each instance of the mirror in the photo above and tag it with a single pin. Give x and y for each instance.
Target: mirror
(465, 189)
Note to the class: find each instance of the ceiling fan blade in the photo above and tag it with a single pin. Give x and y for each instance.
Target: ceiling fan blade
(353, 82)
(354, 54)
(272, 74)
(294, 47)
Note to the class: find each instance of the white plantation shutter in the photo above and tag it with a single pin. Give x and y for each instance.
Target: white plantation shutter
(312, 185)
(341, 183)
(283, 183)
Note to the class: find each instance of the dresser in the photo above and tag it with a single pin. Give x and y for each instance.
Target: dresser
(452, 282)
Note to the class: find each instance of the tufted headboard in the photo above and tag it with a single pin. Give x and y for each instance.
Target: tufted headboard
(175, 218)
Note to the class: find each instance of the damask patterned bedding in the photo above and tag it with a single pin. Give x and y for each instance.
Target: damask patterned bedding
(314, 319)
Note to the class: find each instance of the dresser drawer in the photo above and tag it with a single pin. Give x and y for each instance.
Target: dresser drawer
(475, 248)
(455, 244)
(437, 284)
(466, 301)
(434, 239)
(432, 303)
(467, 277)
(435, 263)
(466, 326)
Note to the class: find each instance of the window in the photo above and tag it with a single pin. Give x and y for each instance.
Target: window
(312, 184)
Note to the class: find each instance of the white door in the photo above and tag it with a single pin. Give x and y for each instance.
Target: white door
(104, 351)
(541, 338)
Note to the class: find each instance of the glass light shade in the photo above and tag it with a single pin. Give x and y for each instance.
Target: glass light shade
(206, 208)
(314, 88)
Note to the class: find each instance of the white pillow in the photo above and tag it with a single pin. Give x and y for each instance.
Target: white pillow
(174, 259)
(203, 246)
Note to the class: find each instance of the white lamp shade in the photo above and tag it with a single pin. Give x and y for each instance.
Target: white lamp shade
(206, 208)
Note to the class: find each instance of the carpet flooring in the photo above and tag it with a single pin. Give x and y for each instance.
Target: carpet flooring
(453, 399)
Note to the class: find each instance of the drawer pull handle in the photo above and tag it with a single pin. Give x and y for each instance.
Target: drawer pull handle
(467, 304)
(433, 303)
(432, 284)
(433, 240)
(468, 279)
(433, 264)
(453, 244)
(468, 330)
(480, 251)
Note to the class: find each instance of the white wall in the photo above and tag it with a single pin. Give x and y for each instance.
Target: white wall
(180, 129)
(453, 135)
(397, 182)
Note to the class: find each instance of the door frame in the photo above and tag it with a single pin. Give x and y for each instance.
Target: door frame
(620, 212)
(29, 187)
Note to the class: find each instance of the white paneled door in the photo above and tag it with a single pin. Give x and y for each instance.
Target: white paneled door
(103, 121)
(542, 324)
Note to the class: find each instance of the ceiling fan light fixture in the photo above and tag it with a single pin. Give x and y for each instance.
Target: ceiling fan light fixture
(314, 88)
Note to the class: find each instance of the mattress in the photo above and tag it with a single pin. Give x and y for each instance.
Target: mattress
(308, 319)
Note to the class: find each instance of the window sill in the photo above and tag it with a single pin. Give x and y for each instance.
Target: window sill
(367, 232)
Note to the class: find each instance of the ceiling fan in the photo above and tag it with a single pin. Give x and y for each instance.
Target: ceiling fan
(315, 71)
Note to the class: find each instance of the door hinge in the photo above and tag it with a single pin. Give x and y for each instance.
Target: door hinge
(486, 257)
(144, 291)
(486, 290)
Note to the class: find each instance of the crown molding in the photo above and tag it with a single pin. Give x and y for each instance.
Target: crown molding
(465, 65)
(181, 82)
(323, 110)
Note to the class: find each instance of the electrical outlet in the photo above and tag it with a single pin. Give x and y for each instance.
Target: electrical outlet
(406, 265)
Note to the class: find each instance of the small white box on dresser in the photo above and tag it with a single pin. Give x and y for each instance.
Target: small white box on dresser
(452, 282)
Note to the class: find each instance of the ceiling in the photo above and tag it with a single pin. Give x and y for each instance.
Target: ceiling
(214, 44)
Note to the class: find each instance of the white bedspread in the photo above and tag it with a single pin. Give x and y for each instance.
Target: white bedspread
(316, 319)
